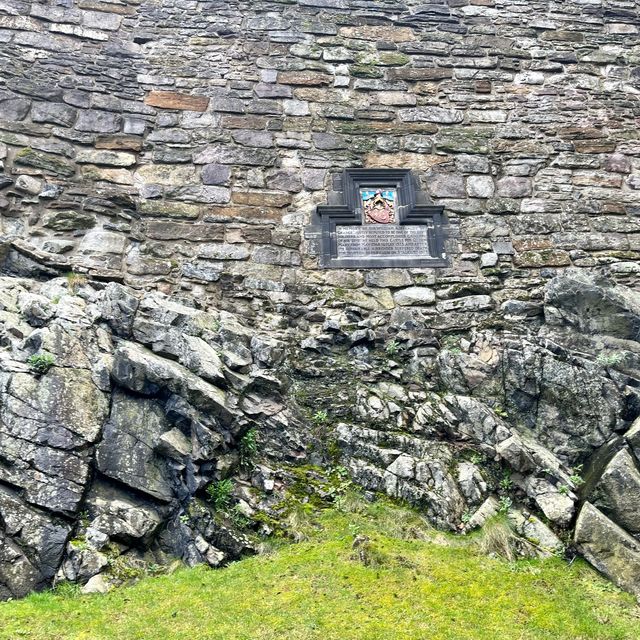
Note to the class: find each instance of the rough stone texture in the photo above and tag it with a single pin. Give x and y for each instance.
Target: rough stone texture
(486, 103)
(609, 548)
(181, 180)
(147, 397)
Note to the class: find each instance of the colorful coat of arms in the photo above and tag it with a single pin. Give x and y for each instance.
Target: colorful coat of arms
(379, 205)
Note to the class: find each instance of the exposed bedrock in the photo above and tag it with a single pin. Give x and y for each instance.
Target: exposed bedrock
(122, 413)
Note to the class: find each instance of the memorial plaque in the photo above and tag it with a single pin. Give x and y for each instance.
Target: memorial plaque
(380, 223)
(383, 241)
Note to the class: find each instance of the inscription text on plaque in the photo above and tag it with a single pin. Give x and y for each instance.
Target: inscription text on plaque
(383, 241)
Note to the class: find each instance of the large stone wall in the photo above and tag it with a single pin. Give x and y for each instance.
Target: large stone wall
(185, 144)
(181, 147)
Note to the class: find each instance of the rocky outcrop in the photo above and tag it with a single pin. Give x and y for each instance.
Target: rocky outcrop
(106, 438)
(138, 428)
(523, 419)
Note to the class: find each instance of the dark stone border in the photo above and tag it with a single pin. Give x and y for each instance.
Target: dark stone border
(409, 212)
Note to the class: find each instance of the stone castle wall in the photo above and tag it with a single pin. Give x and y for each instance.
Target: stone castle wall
(184, 144)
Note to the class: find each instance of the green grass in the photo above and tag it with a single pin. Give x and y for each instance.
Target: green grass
(413, 584)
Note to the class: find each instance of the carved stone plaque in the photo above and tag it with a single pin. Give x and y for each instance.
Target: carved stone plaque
(380, 223)
(382, 241)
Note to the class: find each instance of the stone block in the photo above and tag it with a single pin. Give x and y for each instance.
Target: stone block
(296, 108)
(251, 138)
(68, 220)
(514, 187)
(98, 121)
(119, 142)
(109, 158)
(272, 90)
(53, 112)
(431, 114)
(99, 242)
(480, 186)
(166, 174)
(414, 296)
(215, 174)
(220, 154)
(46, 162)
(278, 256)
(392, 278)
(446, 185)
(414, 74)
(261, 198)
(223, 251)
(162, 208)
(304, 78)
(177, 101)
(375, 33)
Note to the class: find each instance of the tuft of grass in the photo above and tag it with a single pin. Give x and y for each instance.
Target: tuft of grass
(497, 539)
(248, 448)
(41, 362)
(75, 281)
(357, 576)
(220, 494)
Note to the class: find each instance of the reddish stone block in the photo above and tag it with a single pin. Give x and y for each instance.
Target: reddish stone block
(173, 100)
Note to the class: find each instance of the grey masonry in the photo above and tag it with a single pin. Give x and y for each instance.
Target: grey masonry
(233, 119)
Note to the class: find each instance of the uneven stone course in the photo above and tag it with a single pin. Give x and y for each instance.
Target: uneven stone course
(238, 114)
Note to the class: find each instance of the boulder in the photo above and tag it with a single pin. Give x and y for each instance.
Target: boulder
(123, 516)
(593, 305)
(616, 493)
(139, 370)
(32, 545)
(609, 548)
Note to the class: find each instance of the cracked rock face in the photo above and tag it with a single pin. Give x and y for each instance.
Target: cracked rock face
(108, 449)
(103, 450)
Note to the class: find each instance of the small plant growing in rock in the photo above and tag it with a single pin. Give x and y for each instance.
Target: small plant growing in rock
(506, 483)
(334, 452)
(500, 411)
(466, 517)
(41, 362)
(79, 543)
(248, 448)
(75, 281)
(240, 520)
(392, 347)
(505, 504)
(576, 477)
(610, 359)
(220, 493)
(320, 417)
(339, 483)
(451, 344)
(563, 489)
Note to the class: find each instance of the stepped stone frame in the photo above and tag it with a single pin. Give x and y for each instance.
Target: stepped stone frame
(408, 233)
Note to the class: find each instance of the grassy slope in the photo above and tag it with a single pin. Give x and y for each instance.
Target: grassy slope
(420, 585)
